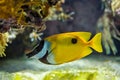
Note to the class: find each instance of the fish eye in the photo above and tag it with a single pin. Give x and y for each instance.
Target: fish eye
(74, 40)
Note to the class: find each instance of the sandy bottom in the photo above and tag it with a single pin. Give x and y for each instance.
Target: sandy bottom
(93, 67)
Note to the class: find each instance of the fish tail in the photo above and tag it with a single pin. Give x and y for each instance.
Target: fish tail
(95, 42)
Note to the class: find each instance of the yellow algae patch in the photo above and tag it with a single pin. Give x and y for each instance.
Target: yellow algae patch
(79, 75)
(72, 74)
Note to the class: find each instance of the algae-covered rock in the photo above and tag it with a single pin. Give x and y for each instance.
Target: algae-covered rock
(79, 75)
(72, 74)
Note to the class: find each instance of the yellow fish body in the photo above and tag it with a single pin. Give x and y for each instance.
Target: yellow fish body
(66, 47)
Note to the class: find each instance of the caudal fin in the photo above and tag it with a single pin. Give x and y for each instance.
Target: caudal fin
(95, 43)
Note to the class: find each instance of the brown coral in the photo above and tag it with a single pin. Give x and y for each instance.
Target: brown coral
(16, 15)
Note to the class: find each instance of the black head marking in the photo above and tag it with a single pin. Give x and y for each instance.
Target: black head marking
(37, 49)
(44, 58)
(73, 40)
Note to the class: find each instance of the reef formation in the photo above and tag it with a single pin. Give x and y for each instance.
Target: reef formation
(30, 15)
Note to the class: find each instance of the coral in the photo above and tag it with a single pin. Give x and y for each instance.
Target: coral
(104, 25)
(72, 74)
(115, 6)
(3, 43)
(17, 15)
(107, 25)
(29, 11)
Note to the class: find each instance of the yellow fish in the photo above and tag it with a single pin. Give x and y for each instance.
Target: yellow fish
(66, 47)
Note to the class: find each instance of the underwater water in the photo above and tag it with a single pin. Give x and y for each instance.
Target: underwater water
(29, 29)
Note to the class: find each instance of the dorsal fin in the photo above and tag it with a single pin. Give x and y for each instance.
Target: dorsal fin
(85, 35)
